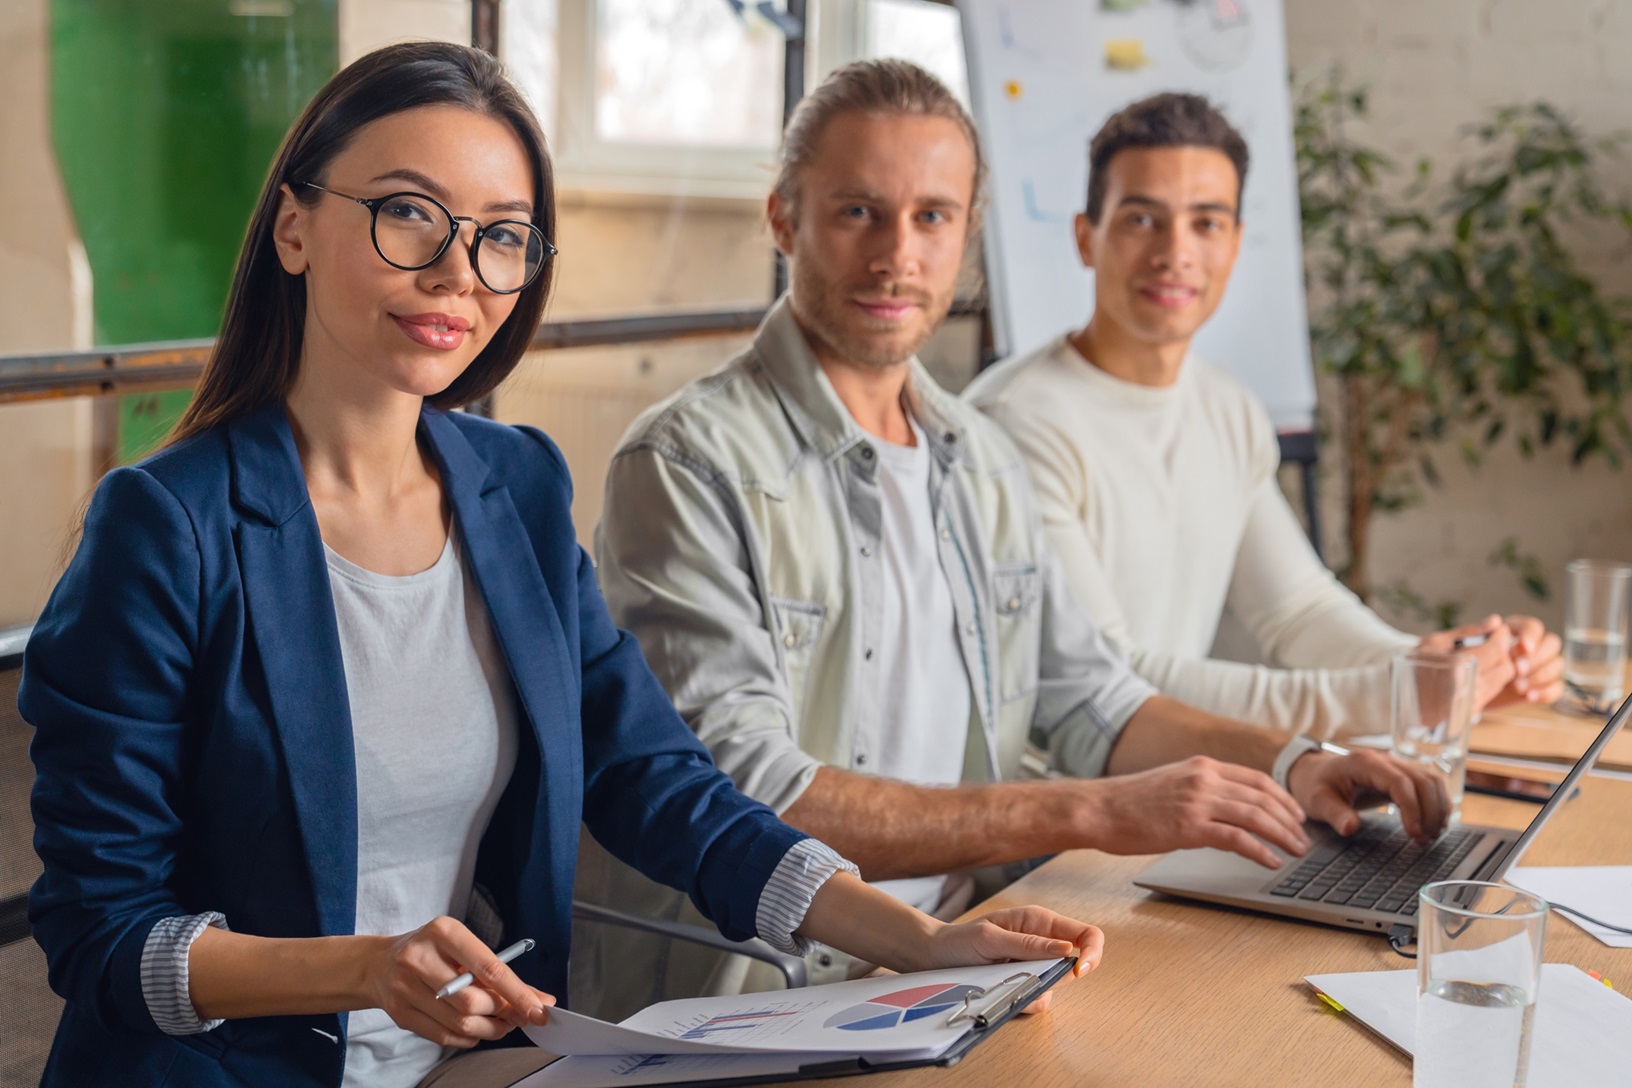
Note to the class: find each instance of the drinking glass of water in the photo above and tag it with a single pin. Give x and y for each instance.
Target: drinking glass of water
(1432, 714)
(1595, 613)
(1478, 969)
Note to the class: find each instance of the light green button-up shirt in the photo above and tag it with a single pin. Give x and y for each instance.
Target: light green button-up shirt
(739, 542)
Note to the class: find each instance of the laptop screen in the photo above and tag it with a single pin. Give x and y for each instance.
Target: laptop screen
(1563, 792)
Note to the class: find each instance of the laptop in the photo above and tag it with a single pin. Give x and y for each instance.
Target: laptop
(1370, 880)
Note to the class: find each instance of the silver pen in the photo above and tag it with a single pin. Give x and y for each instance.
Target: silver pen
(453, 987)
(1468, 642)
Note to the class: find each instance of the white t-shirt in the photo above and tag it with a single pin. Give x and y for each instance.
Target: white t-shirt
(433, 723)
(922, 686)
(1163, 506)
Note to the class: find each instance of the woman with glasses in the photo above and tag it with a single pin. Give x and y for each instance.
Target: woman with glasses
(328, 689)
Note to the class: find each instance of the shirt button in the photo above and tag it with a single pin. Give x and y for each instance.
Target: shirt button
(1014, 604)
(866, 453)
(861, 759)
(970, 630)
(788, 641)
(946, 534)
(868, 655)
(866, 552)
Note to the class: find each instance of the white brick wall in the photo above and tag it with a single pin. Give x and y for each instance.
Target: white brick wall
(1436, 65)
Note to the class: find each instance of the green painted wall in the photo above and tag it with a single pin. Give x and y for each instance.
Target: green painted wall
(166, 115)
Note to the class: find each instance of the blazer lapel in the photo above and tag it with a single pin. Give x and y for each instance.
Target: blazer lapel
(527, 623)
(292, 627)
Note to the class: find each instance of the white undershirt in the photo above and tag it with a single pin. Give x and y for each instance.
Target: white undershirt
(923, 687)
(1163, 505)
(434, 727)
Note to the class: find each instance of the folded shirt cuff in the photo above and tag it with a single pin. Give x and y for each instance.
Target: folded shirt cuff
(783, 904)
(164, 972)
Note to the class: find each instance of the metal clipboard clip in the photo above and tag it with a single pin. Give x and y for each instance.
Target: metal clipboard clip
(996, 1001)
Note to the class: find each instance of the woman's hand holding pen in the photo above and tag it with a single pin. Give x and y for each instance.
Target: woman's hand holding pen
(234, 976)
(407, 971)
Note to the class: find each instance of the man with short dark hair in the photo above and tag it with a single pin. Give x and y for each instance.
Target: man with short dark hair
(1155, 471)
(837, 571)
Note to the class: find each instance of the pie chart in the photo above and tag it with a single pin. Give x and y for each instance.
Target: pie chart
(892, 1009)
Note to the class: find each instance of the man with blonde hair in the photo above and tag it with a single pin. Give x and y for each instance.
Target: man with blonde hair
(837, 571)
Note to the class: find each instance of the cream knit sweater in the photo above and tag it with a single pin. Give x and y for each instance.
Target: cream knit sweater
(1164, 508)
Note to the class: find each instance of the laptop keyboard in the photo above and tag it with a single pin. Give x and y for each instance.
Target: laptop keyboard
(1380, 868)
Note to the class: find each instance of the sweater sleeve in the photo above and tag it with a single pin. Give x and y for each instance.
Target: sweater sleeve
(1298, 612)
(1328, 653)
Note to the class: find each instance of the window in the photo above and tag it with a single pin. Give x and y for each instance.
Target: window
(685, 96)
(926, 33)
(683, 72)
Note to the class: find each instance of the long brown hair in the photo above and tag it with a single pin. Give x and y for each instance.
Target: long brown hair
(257, 352)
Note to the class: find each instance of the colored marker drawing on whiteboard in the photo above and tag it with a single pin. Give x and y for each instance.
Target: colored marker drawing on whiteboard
(1216, 34)
(1035, 210)
(1021, 31)
(1126, 55)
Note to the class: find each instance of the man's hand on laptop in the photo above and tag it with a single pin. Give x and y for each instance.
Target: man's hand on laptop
(1332, 788)
(1194, 802)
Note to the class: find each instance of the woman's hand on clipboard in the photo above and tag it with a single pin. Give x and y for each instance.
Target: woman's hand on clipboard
(1024, 933)
(857, 918)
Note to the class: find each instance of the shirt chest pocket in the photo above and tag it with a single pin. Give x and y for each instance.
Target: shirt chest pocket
(798, 629)
(1015, 599)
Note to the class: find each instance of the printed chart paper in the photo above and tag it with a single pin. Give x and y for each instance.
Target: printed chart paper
(894, 1018)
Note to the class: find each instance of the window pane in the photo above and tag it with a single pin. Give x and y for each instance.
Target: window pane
(686, 72)
(927, 34)
(527, 38)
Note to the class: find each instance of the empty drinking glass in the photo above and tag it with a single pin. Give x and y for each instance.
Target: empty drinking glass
(1432, 713)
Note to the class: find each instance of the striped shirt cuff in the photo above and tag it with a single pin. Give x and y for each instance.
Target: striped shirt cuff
(783, 904)
(164, 972)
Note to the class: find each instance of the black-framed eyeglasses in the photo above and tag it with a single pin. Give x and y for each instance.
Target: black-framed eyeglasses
(412, 231)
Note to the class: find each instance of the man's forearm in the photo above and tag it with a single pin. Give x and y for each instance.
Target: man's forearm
(893, 830)
(1164, 730)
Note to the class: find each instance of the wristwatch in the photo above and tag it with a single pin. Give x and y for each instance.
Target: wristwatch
(1296, 748)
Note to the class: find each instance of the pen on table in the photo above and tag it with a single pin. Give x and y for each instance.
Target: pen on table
(523, 945)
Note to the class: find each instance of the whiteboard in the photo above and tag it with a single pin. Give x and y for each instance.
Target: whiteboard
(1043, 77)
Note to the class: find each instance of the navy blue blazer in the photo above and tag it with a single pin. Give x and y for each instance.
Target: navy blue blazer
(193, 742)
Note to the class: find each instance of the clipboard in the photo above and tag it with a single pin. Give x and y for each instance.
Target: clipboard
(984, 1014)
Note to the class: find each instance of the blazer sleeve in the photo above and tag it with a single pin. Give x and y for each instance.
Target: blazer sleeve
(107, 685)
(652, 794)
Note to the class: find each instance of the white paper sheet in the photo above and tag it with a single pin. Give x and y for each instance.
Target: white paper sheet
(1603, 891)
(1583, 1029)
(895, 1016)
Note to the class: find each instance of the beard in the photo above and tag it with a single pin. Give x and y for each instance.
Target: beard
(825, 313)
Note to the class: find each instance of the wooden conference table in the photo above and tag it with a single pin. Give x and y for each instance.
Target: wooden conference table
(1197, 995)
